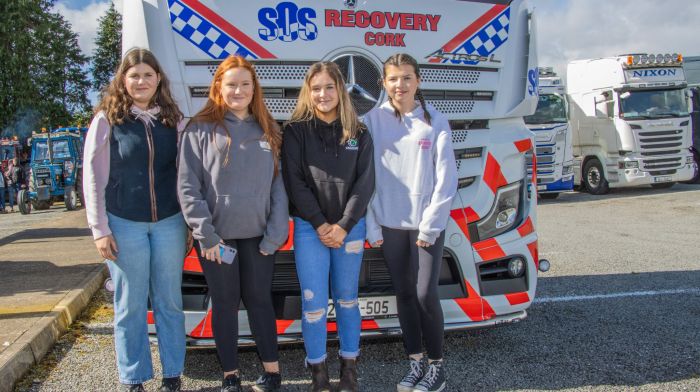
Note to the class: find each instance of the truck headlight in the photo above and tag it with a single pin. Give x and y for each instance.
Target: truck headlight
(567, 170)
(504, 213)
(628, 164)
(68, 167)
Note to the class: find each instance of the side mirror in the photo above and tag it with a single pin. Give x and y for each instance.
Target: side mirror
(603, 105)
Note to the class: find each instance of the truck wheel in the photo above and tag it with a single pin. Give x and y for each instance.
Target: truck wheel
(23, 202)
(549, 196)
(663, 185)
(594, 178)
(71, 199)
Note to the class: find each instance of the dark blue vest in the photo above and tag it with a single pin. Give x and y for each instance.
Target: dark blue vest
(133, 179)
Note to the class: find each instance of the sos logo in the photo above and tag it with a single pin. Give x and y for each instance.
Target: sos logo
(533, 82)
(287, 23)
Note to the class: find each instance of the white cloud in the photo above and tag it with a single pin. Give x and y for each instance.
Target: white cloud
(85, 21)
(575, 29)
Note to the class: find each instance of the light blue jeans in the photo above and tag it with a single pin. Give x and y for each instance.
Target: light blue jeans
(315, 263)
(149, 265)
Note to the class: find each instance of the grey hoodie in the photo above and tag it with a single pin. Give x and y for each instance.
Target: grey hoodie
(238, 200)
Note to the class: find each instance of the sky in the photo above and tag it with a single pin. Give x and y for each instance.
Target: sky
(567, 29)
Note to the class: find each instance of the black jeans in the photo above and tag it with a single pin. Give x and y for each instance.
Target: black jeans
(249, 277)
(415, 273)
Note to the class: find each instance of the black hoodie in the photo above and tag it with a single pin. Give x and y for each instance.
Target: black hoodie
(327, 182)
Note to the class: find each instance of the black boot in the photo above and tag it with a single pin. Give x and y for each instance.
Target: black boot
(319, 378)
(348, 375)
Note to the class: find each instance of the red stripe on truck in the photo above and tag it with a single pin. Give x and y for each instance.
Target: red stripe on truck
(470, 30)
(221, 23)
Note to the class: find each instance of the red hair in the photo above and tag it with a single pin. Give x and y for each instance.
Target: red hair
(215, 109)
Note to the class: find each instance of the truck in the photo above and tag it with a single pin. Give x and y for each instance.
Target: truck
(631, 121)
(55, 170)
(691, 66)
(550, 123)
(479, 67)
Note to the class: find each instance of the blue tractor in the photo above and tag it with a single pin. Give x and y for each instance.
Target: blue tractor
(56, 170)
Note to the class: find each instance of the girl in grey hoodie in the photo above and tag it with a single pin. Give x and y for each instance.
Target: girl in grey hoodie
(416, 179)
(232, 194)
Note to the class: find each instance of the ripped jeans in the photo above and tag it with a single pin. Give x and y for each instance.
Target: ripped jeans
(315, 263)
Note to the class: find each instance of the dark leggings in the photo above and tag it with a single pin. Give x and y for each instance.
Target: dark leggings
(249, 277)
(415, 272)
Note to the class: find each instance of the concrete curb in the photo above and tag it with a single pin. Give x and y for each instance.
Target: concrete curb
(31, 347)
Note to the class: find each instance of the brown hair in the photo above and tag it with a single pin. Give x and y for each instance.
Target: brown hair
(215, 109)
(402, 59)
(304, 110)
(116, 102)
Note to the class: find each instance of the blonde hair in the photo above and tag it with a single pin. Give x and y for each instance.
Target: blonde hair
(215, 109)
(304, 110)
(116, 101)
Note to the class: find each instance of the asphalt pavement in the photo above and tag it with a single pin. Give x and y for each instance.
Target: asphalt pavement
(618, 311)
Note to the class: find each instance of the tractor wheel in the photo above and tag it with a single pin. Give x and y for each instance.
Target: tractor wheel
(23, 202)
(71, 199)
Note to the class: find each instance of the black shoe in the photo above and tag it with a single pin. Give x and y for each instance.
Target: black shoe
(170, 384)
(319, 378)
(409, 381)
(348, 375)
(232, 383)
(433, 380)
(268, 382)
(132, 388)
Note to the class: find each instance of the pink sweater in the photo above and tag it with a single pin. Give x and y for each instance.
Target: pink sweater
(96, 173)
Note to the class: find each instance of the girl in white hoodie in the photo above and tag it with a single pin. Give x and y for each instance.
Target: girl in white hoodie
(416, 179)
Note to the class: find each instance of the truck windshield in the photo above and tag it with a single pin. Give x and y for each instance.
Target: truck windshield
(551, 108)
(653, 104)
(59, 148)
(7, 152)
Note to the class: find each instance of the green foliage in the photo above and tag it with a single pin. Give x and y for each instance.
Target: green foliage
(42, 81)
(107, 52)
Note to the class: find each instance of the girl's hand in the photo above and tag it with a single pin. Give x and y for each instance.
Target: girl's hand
(335, 237)
(422, 244)
(107, 247)
(377, 244)
(212, 254)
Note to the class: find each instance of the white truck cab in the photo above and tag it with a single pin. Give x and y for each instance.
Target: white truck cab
(631, 121)
(550, 123)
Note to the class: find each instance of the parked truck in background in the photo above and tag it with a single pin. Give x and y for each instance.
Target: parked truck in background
(550, 123)
(691, 66)
(631, 122)
(478, 66)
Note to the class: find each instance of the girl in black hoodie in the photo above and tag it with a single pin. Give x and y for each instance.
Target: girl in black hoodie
(329, 176)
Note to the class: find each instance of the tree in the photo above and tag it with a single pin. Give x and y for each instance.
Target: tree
(42, 82)
(108, 45)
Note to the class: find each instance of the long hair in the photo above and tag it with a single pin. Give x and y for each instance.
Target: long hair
(402, 59)
(304, 110)
(215, 109)
(116, 102)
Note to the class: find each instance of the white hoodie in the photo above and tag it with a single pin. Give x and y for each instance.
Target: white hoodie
(415, 172)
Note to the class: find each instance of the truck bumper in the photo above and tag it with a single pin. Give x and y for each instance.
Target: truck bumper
(634, 177)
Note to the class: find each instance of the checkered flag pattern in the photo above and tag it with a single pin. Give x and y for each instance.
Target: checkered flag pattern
(488, 39)
(210, 39)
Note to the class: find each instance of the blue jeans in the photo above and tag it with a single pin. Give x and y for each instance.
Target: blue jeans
(315, 262)
(2, 198)
(149, 265)
(12, 193)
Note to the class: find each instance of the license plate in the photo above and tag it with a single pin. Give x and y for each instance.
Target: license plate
(662, 179)
(370, 307)
(541, 187)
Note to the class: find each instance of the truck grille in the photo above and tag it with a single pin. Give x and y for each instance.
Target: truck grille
(374, 281)
(657, 146)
